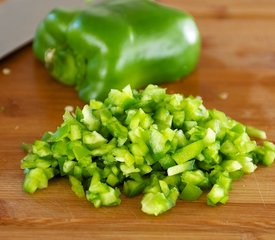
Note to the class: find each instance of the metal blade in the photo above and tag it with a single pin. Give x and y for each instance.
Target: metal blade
(19, 19)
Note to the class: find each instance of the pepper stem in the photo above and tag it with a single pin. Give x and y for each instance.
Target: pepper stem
(62, 65)
(49, 55)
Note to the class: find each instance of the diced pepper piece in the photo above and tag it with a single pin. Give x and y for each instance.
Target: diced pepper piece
(77, 172)
(188, 152)
(194, 110)
(157, 203)
(117, 130)
(164, 187)
(112, 179)
(89, 119)
(50, 172)
(247, 164)
(157, 142)
(179, 140)
(75, 132)
(231, 165)
(123, 99)
(153, 93)
(224, 181)
(95, 105)
(132, 188)
(190, 192)
(43, 163)
(104, 148)
(79, 150)
(166, 162)
(228, 148)
(93, 139)
(100, 194)
(77, 186)
(268, 158)
(255, 132)
(41, 148)
(68, 166)
(180, 168)
(178, 118)
(173, 181)
(123, 155)
(144, 169)
(209, 137)
(61, 133)
(217, 194)
(138, 118)
(196, 177)
(163, 118)
(29, 161)
(59, 149)
(139, 149)
(126, 169)
(35, 179)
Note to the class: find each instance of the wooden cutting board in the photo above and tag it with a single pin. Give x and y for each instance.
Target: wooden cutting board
(236, 74)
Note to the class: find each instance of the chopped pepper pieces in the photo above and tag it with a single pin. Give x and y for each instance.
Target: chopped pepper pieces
(166, 146)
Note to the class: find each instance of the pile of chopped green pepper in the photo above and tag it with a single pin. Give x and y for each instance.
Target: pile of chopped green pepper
(165, 146)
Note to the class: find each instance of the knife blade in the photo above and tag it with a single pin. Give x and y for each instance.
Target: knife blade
(19, 19)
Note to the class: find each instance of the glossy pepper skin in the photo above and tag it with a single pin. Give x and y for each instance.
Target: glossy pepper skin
(115, 43)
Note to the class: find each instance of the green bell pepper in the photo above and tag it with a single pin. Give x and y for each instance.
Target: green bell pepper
(117, 42)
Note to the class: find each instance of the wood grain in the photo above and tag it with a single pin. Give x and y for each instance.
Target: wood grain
(238, 58)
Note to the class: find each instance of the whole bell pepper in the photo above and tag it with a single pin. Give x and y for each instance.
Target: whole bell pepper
(117, 42)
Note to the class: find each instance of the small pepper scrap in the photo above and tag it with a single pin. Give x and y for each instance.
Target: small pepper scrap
(114, 43)
(165, 146)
